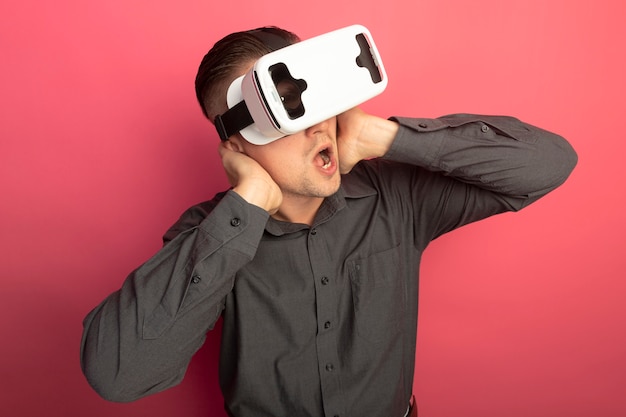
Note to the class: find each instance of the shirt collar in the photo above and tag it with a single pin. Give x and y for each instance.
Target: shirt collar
(350, 188)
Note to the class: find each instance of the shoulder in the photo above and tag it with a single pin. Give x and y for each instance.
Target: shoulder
(379, 175)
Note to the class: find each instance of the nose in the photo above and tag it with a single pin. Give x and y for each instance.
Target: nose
(320, 127)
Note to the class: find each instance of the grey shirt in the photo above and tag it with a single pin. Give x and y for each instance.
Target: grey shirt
(320, 320)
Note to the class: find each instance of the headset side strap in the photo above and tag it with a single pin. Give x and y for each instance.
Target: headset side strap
(236, 118)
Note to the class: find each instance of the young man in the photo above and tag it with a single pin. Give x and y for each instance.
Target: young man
(315, 273)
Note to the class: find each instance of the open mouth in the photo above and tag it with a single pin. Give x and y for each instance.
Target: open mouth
(326, 161)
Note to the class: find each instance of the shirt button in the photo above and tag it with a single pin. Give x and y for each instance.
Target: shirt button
(313, 231)
(195, 279)
(330, 367)
(484, 128)
(324, 280)
(327, 325)
(423, 125)
(235, 222)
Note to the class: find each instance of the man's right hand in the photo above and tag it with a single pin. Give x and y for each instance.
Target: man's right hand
(249, 179)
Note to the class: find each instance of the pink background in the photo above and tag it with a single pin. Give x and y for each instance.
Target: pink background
(102, 146)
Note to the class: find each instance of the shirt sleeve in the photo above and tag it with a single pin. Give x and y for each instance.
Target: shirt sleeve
(483, 165)
(141, 338)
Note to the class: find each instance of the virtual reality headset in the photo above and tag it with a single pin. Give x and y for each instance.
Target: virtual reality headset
(298, 86)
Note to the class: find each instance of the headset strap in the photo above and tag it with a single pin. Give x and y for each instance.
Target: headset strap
(233, 120)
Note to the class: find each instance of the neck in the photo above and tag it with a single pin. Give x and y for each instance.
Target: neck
(298, 209)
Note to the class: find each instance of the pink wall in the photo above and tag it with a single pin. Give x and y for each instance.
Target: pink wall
(102, 147)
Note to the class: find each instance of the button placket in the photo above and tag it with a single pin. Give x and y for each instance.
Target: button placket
(326, 307)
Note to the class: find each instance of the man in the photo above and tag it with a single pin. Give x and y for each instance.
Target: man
(314, 272)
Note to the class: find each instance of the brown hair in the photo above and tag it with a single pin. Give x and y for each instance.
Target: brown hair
(229, 57)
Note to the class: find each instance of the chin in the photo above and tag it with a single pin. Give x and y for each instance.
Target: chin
(332, 190)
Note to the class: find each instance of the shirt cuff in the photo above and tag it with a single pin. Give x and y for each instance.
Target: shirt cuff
(409, 147)
(235, 217)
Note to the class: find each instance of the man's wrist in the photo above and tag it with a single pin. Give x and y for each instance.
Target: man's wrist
(377, 137)
(258, 193)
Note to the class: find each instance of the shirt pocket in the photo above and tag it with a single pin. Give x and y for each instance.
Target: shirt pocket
(378, 295)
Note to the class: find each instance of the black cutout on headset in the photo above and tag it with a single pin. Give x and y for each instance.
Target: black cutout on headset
(366, 59)
(289, 89)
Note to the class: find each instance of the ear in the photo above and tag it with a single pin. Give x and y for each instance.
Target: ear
(235, 143)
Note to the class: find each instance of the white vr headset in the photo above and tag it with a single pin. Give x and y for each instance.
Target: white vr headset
(296, 87)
